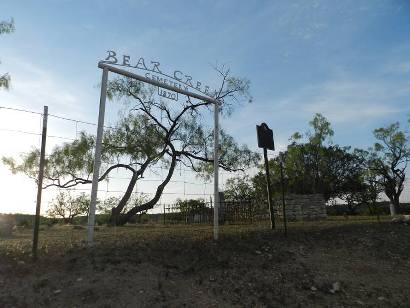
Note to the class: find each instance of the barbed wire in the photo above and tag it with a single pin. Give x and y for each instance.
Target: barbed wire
(182, 170)
(21, 110)
(51, 115)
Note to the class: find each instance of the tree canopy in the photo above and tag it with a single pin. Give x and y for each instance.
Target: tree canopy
(313, 164)
(6, 27)
(390, 156)
(67, 206)
(150, 132)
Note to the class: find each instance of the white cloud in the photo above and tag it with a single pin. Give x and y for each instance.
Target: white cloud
(338, 112)
(347, 100)
(399, 68)
(342, 100)
(34, 87)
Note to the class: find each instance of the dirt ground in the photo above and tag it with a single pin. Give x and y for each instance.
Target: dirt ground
(321, 264)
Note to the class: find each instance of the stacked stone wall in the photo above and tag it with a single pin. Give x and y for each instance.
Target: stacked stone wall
(302, 207)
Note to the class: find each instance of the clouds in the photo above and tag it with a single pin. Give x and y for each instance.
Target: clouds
(349, 100)
(35, 87)
(32, 87)
(399, 68)
(347, 60)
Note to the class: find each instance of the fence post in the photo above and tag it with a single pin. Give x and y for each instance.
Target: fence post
(283, 196)
(269, 190)
(164, 214)
(40, 182)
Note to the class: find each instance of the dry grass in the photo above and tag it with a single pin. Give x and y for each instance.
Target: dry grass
(61, 238)
(180, 265)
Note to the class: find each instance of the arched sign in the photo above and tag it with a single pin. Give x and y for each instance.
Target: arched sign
(178, 86)
(153, 70)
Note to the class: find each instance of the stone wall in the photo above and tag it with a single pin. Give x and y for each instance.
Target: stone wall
(302, 207)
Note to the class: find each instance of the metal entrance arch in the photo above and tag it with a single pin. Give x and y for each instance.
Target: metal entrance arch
(100, 128)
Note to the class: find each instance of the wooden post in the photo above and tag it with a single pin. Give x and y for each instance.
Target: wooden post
(283, 196)
(271, 213)
(40, 183)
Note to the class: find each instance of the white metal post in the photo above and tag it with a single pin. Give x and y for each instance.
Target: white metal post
(97, 157)
(216, 169)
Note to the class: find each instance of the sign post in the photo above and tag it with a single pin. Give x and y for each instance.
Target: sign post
(265, 141)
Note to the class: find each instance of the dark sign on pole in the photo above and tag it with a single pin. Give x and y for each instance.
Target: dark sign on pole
(265, 141)
(265, 137)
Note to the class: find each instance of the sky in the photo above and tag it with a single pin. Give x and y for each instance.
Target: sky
(348, 60)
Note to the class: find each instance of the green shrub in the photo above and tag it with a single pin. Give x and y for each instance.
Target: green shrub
(7, 223)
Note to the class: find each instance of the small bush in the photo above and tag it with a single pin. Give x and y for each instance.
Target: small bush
(101, 219)
(24, 223)
(7, 223)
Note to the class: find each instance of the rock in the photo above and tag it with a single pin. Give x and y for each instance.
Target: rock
(42, 283)
(401, 219)
(313, 288)
(396, 219)
(335, 287)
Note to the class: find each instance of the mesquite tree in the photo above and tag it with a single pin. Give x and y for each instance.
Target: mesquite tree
(150, 132)
(67, 207)
(312, 164)
(6, 27)
(390, 158)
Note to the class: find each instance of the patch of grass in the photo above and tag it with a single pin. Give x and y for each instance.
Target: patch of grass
(61, 238)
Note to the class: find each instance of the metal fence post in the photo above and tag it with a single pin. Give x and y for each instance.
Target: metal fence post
(283, 195)
(40, 182)
(97, 157)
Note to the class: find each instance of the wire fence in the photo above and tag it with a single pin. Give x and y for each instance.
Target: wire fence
(20, 129)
